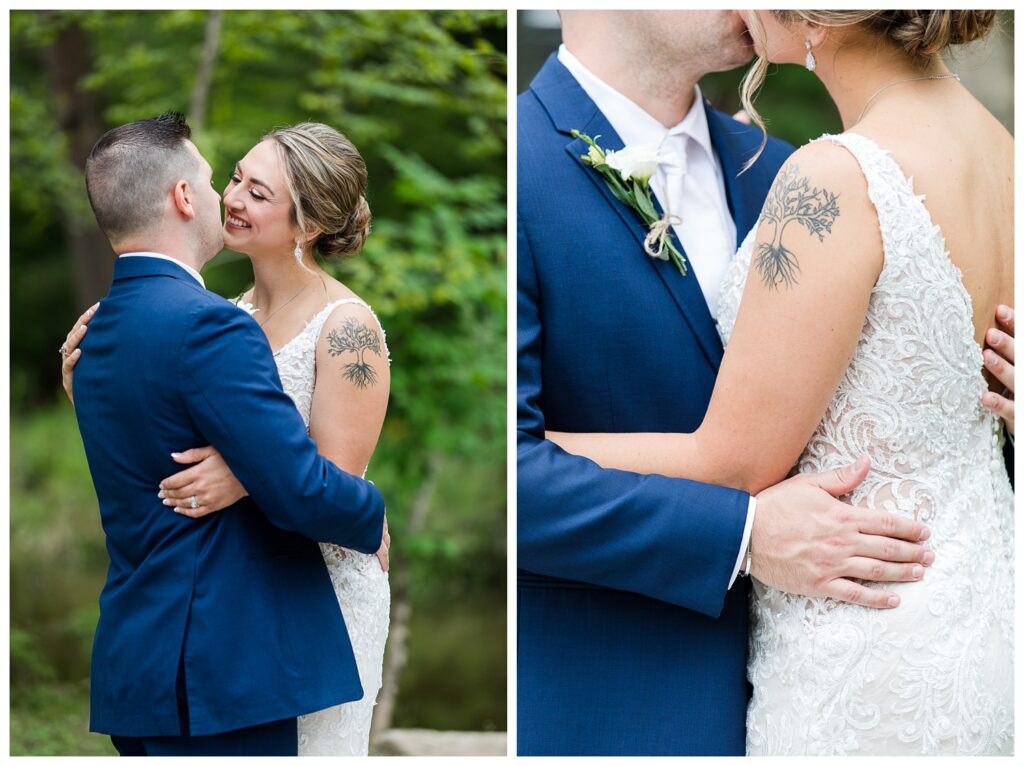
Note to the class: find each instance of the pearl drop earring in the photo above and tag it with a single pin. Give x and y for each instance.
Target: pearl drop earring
(810, 62)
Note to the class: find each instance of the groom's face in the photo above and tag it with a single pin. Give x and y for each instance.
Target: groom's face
(206, 202)
(712, 41)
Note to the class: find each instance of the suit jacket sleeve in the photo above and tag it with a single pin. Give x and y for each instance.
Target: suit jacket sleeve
(234, 396)
(670, 539)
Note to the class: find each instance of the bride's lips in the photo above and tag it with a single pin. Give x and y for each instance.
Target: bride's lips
(236, 223)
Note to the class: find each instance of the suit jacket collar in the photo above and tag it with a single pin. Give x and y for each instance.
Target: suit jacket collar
(571, 109)
(143, 266)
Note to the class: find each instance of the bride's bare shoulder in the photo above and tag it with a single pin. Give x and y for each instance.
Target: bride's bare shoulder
(338, 290)
(821, 173)
(825, 163)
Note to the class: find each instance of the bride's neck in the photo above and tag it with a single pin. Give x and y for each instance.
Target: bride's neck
(853, 75)
(276, 279)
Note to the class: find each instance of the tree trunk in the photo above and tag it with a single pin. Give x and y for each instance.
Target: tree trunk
(77, 115)
(401, 608)
(200, 99)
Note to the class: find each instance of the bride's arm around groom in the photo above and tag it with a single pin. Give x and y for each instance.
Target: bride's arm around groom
(230, 381)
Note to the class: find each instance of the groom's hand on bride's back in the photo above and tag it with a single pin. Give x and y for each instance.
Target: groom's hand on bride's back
(999, 361)
(805, 541)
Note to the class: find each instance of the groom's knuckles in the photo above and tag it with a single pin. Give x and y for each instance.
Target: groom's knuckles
(890, 550)
(886, 524)
(853, 593)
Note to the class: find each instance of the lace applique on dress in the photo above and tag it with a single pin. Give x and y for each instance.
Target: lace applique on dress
(935, 675)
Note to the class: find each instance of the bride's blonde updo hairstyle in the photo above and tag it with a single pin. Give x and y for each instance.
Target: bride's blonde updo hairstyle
(921, 35)
(326, 178)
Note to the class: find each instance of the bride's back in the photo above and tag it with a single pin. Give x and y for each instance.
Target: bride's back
(929, 677)
(961, 159)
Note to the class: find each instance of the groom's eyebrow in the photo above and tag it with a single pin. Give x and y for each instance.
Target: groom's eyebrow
(254, 180)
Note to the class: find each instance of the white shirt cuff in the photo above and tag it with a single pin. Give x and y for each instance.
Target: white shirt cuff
(745, 542)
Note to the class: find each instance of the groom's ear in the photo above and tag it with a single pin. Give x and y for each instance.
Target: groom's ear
(183, 199)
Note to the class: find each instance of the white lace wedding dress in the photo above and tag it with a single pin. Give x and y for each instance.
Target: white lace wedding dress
(359, 582)
(934, 675)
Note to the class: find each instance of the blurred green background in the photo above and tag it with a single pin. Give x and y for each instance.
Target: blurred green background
(793, 102)
(423, 95)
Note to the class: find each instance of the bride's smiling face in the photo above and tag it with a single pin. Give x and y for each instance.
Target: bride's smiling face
(257, 206)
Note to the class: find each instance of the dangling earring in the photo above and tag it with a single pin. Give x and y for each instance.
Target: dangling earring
(298, 251)
(810, 62)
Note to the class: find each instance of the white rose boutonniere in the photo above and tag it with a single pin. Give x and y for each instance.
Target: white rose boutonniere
(639, 162)
(628, 175)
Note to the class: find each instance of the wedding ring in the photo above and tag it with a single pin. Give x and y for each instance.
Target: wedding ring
(63, 350)
(195, 503)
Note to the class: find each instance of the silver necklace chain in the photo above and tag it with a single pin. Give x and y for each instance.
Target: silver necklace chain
(900, 82)
(272, 313)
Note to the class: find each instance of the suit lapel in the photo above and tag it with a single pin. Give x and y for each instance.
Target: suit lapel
(571, 109)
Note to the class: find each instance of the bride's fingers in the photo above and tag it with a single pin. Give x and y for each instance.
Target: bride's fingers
(854, 593)
(895, 551)
(194, 455)
(75, 337)
(882, 571)
(181, 502)
(70, 361)
(181, 492)
(194, 513)
(78, 329)
(183, 505)
(176, 481)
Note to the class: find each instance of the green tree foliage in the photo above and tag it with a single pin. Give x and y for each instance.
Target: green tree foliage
(423, 96)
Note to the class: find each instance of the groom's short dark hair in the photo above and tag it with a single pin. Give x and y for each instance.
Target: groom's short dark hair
(131, 169)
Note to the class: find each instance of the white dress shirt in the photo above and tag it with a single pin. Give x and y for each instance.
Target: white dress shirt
(189, 269)
(692, 188)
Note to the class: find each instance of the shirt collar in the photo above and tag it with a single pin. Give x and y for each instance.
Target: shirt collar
(161, 256)
(634, 125)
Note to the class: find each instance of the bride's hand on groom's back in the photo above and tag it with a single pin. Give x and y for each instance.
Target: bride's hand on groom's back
(805, 541)
(209, 482)
(999, 361)
(70, 352)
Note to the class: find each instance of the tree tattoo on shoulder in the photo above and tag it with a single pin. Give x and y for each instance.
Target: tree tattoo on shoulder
(355, 338)
(790, 199)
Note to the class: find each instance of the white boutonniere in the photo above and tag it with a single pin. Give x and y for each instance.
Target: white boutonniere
(628, 174)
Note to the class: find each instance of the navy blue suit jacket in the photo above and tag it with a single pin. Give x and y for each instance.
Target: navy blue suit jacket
(629, 639)
(241, 597)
